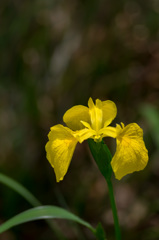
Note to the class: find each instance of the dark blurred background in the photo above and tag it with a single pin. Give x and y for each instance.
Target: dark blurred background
(55, 54)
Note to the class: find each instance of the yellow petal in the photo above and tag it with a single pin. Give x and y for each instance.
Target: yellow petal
(96, 114)
(108, 132)
(75, 115)
(84, 134)
(101, 114)
(60, 149)
(109, 112)
(131, 154)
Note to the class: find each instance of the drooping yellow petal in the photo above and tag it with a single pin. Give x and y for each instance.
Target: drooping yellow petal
(75, 115)
(60, 149)
(131, 154)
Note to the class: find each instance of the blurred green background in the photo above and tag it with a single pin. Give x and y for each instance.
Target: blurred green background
(55, 54)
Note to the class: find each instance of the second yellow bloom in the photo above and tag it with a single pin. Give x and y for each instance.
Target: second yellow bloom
(93, 122)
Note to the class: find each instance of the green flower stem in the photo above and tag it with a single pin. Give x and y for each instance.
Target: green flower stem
(102, 157)
(114, 210)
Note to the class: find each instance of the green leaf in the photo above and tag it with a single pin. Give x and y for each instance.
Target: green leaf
(17, 187)
(100, 234)
(151, 114)
(102, 156)
(28, 196)
(43, 212)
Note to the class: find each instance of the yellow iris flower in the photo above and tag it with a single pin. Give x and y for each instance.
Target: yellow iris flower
(93, 122)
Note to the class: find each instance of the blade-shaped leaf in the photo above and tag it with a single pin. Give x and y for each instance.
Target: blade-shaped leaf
(151, 114)
(102, 157)
(17, 187)
(28, 196)
(43, 212)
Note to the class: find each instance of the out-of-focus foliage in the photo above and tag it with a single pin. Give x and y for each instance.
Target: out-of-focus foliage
(55, 54)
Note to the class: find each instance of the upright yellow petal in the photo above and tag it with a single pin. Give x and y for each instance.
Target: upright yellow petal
(60, 149)
(102, 113)
(75, 115)
(109, 112)
(131, 154)
(96, 114)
